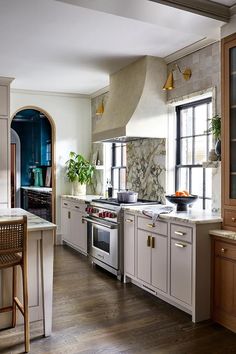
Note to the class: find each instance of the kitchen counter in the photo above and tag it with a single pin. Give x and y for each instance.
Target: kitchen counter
(83, 198)
(40, 271)
(230, 235)
(190, 216)
(38, 189)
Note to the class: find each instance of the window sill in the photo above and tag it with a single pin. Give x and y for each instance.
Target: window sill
(211, 164)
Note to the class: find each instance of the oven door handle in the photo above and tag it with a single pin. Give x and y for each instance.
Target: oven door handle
(92, 221)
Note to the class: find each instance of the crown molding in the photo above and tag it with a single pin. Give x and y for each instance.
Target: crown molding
(50, 93)
(201, 7)
(100, 92)
(6, 80)
(233, 10)
(189, 49)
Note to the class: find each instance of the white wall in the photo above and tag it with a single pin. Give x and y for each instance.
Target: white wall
(72, 118)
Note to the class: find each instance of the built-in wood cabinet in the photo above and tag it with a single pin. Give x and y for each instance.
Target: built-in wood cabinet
(224, 282)
(171, 260)
(229, 132)
(73, 228)
(5, 142)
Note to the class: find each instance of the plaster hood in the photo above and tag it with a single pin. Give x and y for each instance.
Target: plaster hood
(136, 107)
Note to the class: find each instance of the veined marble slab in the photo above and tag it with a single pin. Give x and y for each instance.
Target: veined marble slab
(35, 223)
(82, 198)
(190, 216)
(231, 235)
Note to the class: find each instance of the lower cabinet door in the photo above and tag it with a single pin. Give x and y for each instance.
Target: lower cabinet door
(129, 243)
(144, 256)
(181, 271)
(65, 224)
(83, 234)
(159, 262)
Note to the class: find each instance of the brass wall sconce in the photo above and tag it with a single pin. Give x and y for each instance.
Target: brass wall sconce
(100, 109)
(169, 84)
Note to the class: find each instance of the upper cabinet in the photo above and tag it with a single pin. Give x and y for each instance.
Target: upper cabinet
(4, 142)
(229, 132)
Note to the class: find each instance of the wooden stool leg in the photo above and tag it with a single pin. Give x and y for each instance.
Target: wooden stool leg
(26, 309)
(14, 290)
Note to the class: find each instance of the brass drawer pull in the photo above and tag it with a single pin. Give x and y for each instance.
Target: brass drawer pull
(180, 245)
(128, 220)
(223, 250)
(233, 219)
(153, 242)
(65, 203)
(180, 233)
(151, 225)
(149, 240)
(77, 207)
(68, 214)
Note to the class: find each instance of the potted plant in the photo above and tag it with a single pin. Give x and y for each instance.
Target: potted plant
(215, 129)
(80, 172)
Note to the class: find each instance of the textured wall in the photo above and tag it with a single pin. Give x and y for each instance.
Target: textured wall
(146, 168)
(205, 66)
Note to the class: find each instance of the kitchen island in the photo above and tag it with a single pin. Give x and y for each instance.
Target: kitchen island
(40, 271)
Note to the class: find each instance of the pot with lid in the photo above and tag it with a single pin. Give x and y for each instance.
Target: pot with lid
(127, 197)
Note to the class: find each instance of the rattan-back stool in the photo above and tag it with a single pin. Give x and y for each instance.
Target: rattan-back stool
(13, 252)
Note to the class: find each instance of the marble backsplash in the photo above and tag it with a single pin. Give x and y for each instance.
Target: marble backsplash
(146, 168)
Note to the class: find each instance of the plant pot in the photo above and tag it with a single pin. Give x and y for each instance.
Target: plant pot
(78, 188)
(218, 149)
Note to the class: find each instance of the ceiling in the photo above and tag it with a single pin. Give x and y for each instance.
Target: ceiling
(53, 45)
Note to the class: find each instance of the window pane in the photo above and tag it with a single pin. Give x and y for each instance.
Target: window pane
(200, 153)
(183, 179)
(198, 204)
(186, 122)
(118, 155)
(208, 204)
(115, 178)
(124, 155)
(200, 119)
(122, 178)
(186, 151)
(197, 181)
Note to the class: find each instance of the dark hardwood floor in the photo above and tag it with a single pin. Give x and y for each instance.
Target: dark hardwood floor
(95, 313)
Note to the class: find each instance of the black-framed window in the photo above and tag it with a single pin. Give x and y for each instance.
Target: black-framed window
(118, 168)
(193, 142)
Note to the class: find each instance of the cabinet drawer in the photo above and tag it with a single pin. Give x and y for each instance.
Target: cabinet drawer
(66, 204)
(79, 207)
(230, 218)
(159, 227)
(182, 233)
(225, 249)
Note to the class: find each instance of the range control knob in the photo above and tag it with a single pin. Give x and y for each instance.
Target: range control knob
(100, 215)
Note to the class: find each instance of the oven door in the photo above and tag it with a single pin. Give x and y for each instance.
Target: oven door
(103, 241)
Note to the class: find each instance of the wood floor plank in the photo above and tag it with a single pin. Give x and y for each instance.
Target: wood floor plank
(95, 313)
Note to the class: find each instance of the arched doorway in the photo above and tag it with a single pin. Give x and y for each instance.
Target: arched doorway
(36, 174)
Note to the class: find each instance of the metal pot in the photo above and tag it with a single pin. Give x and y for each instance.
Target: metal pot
(127, 197)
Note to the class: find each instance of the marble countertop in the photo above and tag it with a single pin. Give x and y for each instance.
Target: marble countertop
(190, 216)
(83, 198)
(38, 189)
(35, 223)
(230, 235)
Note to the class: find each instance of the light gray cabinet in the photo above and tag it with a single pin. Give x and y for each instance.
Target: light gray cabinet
(73, 228)
(171, 260)
(129, 243)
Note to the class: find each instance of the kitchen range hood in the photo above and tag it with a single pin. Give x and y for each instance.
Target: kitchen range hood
(136, 107)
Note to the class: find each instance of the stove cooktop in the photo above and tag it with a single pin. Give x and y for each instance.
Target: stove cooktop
(114, 201)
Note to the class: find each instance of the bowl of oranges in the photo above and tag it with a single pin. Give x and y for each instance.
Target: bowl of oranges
(182, 199)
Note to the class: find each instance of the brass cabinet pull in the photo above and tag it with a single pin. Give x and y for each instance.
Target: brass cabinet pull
(153, 242)
(68, 214)
(128, 220)
(179, 233)
(149, 240)
(233, 219)
(180, 245)
(223, 250)
(151, 225)
(65, 203)
(77, 207)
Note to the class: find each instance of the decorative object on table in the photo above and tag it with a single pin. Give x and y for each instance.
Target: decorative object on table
(215, 129)
(80, 172)
(48, 177)
(182, 201)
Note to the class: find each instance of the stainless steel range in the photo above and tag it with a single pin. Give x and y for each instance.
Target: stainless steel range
(105, 233)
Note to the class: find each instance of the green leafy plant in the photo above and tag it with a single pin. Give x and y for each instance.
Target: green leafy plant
(79, 169)
(215, 126)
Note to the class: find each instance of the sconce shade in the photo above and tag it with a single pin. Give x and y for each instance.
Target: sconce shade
(100, 109)
(169, 84)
